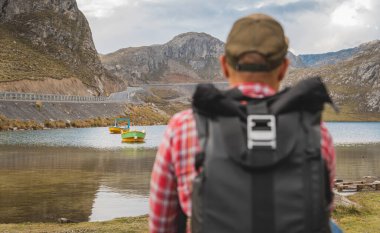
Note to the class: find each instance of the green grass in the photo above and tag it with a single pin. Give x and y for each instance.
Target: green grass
(360, 220)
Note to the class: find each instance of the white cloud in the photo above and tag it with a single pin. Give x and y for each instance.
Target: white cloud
(350, 13)
(313, 26)
(99, 8)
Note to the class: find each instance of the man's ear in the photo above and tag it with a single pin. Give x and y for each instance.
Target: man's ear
(224, 65)
(284, 67)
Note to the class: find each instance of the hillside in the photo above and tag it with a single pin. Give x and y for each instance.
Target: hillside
(188, 57)
(318, 60)
(352, 75)
(354, 82)
(50, 41)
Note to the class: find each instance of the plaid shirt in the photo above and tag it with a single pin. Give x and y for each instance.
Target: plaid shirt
(174, 171)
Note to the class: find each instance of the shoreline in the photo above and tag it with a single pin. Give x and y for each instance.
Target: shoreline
(352, 219)
(143, 115)
(30, 125)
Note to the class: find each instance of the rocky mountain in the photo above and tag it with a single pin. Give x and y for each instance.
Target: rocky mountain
(188, 57)
(315, 60)
(50, 42)
(295, 61)
(354, 82)
(352, 75)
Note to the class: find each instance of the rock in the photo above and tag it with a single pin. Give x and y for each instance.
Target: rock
(353, 78)
(59, 29)
(340, 199)
(187, 57)
(65, 220)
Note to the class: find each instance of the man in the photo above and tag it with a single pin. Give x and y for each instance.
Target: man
(255, 62)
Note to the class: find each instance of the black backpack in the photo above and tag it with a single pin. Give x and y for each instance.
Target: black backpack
(260, 167)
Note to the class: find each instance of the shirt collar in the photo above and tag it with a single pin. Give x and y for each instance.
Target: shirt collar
(255, 89)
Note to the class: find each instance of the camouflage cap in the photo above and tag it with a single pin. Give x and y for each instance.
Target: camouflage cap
(260, 34)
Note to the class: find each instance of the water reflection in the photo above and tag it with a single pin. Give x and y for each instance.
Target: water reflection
(355, 161)
(110, 203)
(89, 175)
(42, 184)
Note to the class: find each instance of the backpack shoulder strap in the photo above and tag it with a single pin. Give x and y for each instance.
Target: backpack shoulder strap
(201, 123)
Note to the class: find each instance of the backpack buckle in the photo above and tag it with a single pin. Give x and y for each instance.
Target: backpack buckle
(261, 131)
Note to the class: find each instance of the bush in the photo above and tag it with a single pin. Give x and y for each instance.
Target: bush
(39, 105)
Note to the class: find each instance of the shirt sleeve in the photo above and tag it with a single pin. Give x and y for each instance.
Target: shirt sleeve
(163, 199)
(328, 153)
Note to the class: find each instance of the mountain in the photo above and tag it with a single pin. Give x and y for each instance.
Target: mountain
(46, 46)
(295, 61)
(315, 60)
(188, 57)
(354, 81)
(352, 75)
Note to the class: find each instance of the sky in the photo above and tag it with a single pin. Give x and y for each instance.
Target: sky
(312, 26)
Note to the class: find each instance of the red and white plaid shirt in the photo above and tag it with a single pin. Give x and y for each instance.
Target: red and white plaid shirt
(174, 171)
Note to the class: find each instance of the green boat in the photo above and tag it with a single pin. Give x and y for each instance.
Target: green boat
(133, 136)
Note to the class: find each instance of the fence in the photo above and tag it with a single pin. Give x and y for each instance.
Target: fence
(50, 97)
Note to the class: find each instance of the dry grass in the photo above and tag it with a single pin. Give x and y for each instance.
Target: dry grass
(19, 60)
(146, 115)
(165, 93)
(349, 114)
(11, 124)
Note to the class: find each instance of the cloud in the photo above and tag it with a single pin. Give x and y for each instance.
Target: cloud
(99, 8)
(313, 26)
(351, 13)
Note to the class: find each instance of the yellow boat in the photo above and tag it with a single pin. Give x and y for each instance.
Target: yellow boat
(114, 130)
(121, 124)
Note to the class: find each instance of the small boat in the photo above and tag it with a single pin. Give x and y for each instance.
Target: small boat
(120, 124)
(133, 136)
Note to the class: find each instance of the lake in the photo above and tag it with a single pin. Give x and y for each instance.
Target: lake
(89, 175)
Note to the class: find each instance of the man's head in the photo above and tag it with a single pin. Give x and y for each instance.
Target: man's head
(255, 51)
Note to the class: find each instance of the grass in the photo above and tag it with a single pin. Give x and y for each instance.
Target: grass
(19, 60)
(146, 115)
(365, 219)
(131, 224)
(349, 114)
(165, 93)
(16, 124)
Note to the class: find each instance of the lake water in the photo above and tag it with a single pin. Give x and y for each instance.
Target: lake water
(89, 175)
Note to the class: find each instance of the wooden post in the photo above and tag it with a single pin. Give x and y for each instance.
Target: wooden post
(359, 187)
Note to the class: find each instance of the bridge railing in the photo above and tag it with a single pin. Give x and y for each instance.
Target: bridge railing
(50, 97)
(114, 97)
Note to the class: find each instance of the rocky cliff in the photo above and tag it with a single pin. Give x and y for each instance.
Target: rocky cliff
(49, 39)
(189, 57)
(354, 81)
